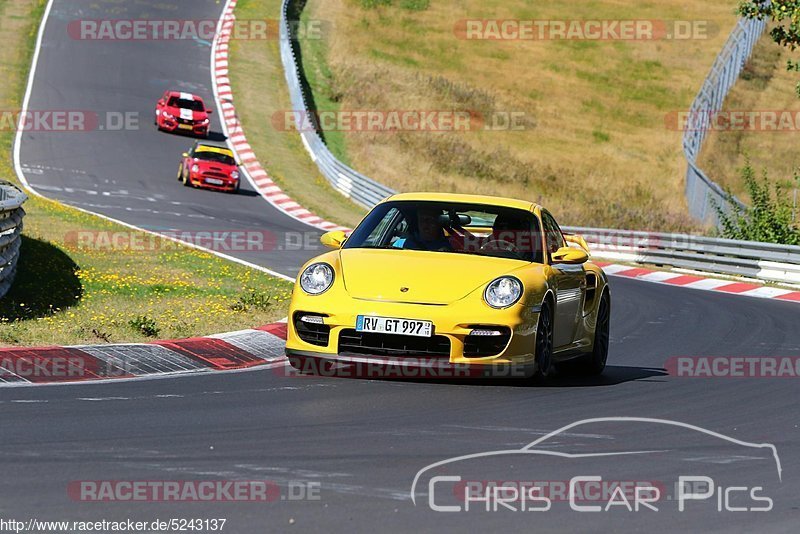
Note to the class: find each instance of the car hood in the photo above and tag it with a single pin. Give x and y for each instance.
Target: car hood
(206, 165)
(183, 113)
(430, 277)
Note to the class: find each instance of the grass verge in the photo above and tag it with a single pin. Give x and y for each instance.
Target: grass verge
(594, 147)
(68, 294)
(262, 101)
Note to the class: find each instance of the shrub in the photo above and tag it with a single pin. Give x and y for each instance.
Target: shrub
(145, 325)
(770, 218)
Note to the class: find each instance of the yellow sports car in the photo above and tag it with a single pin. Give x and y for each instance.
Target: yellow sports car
(429, 279)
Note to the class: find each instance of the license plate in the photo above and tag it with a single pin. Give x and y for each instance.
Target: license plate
(185, 126)
(393, 325)
(214, 181)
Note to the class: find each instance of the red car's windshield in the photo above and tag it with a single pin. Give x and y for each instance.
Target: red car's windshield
(217, 157)
(194, 105)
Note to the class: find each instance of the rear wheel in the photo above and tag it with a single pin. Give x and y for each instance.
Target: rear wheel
(544, 342)
(595, 362)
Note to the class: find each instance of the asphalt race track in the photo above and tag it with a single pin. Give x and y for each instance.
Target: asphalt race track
(131, 174)
(358, 444)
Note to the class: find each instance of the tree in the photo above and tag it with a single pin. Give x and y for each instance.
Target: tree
(767, 219)
(786, 15)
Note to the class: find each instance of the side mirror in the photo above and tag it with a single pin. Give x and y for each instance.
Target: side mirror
(185, 154)
(577, 240)
(334, 239)
(570, 256)
(209, 111)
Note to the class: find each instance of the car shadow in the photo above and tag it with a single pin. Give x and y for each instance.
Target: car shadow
(46, 282)
(218, 137)
(613, 375)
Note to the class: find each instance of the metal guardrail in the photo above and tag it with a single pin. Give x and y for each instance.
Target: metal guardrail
(11, 214)
(701, 192)
(350, 183)
(768, 262)
(763, 261)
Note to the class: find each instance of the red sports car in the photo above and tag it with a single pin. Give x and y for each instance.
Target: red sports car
(210, 167)
(182, 112)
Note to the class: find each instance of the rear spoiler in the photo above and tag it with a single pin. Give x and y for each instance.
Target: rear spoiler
(577, 240)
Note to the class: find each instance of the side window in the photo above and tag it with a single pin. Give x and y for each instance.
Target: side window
(378, 236)
(553, 236)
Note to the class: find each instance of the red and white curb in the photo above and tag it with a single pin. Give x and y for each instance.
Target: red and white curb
(237, 140)
(220, 352)
(699, 282)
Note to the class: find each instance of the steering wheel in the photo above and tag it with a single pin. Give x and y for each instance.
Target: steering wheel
(500, 244)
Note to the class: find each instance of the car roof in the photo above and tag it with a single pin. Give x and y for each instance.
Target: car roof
(473, 199)
(184, 95)
(213, 147)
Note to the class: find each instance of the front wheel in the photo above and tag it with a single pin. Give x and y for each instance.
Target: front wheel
(186, 181)
(180, 172)
(594, 363)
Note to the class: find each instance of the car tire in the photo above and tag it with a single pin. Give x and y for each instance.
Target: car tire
(235, 190)
(180, 172)
(186, 181)
(594, 363)
(543, 353)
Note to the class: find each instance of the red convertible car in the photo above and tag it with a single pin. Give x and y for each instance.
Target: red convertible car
(210, 167)
(182, 112)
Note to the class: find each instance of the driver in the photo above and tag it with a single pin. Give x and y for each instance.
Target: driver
(510, 233)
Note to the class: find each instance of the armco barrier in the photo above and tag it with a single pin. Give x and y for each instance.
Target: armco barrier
(347, 181)
(11, 214)
(763, 261)
(701, 192)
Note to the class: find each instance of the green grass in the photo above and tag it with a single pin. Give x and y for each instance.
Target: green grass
(65, 294)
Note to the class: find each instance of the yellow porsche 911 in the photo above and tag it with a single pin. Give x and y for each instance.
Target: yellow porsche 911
(428, 279)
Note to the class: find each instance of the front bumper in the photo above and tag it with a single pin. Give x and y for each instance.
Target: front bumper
(173, 126)
(453, 322)
(199, 180)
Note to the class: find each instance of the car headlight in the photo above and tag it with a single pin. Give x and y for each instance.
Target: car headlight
(503, 292)
(167, 115)
(205, 121)
(316, 278)
(235, 175)
(195, 167)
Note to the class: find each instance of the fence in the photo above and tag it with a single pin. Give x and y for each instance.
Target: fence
(701, 191)
(11, 214)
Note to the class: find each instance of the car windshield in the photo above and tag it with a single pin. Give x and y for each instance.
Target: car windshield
(459, 228)
(209, 155)
(194, 105)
